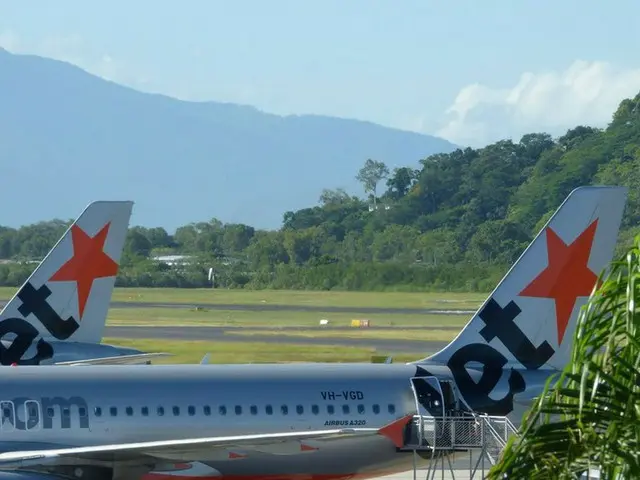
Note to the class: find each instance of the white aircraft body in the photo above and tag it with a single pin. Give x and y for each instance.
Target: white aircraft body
(59, 314)
(312, 421)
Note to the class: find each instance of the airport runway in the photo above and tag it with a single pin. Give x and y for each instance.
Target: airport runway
(299, 328)
(265, 307)
(218, 334)
(286, 308)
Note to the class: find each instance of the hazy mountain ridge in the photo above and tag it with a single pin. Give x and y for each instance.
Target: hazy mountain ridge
(69, 137)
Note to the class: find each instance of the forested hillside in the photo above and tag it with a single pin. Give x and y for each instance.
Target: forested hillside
(458, 222)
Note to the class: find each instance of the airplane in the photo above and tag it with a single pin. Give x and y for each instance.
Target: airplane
(58, 315)
(312, 421)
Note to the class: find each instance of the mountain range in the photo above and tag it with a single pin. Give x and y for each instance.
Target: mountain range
(68, 137)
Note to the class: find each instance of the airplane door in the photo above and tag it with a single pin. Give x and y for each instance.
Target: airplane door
(428, 396)
(449, 396)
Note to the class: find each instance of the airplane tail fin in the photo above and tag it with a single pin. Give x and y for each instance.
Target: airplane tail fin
(530, 318)
(68, 294)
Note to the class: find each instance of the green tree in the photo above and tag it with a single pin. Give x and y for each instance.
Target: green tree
(401, 181)
(370, 176)
(236, 238)
(395, 243)
(334, 197)
(159, 238)
(136, 247)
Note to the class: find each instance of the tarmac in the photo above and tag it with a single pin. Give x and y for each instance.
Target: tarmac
(464, 466)
(424, 474)
(446, 474)
(268, 307)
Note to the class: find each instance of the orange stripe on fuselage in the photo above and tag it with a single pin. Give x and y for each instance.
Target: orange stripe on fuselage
(300, 476)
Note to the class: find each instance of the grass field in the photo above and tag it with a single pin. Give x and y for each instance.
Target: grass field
(253, 352)
(186, 316)
(433, 335)
(443, 301)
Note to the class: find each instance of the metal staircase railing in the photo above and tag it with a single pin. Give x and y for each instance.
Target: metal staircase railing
(447, 437)
(461, 431)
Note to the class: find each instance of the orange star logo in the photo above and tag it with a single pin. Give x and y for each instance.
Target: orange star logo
(87, 263)
(567, 275)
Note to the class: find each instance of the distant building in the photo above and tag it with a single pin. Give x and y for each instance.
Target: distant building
(173, 260)
(376, 207)
(7, 261)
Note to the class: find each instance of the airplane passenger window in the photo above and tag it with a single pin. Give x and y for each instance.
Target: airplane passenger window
(345, 409)
(114, 411)
(376, 409)
(50, 412)
(129, 411)
(222, 410)
(238, 410)
(160, 411)
(330, 409)
(268, 409)
(176, 410)
(361, 409)
(6, 412)
(144, 411)
(97, 411)
(392, 408)
(207, 410)
(315, 410)
(300, 409)
(284, 409)
(82, 411)
(254, 410)
(191, 410)
(65, 412)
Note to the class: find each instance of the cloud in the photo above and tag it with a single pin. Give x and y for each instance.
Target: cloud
(586, 93)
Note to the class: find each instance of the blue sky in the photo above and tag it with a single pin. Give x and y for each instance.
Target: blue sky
(470, 71)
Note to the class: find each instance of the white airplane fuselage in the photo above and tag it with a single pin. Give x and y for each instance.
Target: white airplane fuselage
(97, 405)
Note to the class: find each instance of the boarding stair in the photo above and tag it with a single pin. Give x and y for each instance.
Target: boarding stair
(449, 435)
